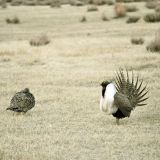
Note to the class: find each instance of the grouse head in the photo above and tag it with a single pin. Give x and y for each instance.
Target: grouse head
(104, 85)
(26, 90)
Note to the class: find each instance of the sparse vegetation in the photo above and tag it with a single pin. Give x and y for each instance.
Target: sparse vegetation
(154, 45)
(133, 19)
(137, 41)
(39, 40)
(152, 17)
(13, 20)
(92, 8)
(120, 10)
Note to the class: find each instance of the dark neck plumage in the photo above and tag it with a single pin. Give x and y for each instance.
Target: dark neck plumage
(103, 91)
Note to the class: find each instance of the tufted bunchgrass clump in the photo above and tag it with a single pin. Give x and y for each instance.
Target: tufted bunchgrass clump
(39, 40)
(137, 41)
(152, 17)
(154, 45)
(120, 10)
(133, 19)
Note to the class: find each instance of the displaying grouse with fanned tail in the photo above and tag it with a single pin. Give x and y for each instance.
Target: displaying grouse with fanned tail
(22, 101)
(121, 98)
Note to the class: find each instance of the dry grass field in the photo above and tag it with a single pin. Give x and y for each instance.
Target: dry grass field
(65, 77)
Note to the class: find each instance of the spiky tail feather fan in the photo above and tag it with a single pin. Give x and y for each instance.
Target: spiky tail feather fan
(131, 87)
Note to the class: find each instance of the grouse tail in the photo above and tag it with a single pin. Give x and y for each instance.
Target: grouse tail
(132, 87)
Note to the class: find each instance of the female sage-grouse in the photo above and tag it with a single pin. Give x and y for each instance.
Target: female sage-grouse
(120, 99)
(22, 101)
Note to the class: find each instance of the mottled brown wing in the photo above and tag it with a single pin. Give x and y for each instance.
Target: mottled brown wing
(22, 102)
(123, 103)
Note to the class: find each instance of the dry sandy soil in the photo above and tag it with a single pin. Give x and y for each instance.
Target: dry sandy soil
(65, 78)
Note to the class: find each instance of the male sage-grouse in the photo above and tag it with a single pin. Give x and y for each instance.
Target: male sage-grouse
(121, 98)
(22, 101)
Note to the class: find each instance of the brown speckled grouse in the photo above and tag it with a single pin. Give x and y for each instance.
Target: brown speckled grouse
(22, 101)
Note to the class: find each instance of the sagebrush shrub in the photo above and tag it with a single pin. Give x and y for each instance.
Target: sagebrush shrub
(152, 17)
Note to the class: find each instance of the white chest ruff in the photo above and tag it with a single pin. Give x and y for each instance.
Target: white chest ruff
(107, 102)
